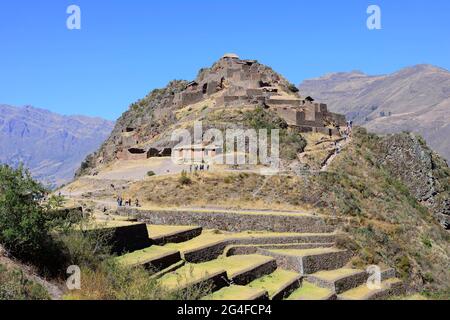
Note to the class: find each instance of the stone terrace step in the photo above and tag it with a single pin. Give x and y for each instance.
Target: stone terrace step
(161, 235)
(154, 258)
(211, 244)
(239, 270)
(192, 275)
(208, 246)
(240, 293)
(242, 270)
(308, 261)
(389, 287)
(233, 250)
(339, 280)
(309, 291)
(171, 268)
(232, 220)
(278, 284)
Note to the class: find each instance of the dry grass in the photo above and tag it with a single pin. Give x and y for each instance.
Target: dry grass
(223, 189)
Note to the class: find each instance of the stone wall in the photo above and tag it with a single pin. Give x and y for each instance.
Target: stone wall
(177, 237)
(128, 155)
(310, 264)
(232, 222)
(125, 238)
(339, 119)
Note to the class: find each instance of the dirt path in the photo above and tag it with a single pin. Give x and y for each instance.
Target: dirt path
(53, 290)
(339, 149)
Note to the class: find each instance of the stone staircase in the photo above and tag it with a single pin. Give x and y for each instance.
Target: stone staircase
(250, 265)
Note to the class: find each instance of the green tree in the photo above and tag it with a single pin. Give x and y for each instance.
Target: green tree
(24, 230)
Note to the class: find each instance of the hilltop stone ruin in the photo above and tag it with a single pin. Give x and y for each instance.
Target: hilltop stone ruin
(231, 83)
(234, 82)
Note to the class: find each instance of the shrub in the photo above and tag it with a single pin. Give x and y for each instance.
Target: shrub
(14, 286)
(428, 277)
(403, 266)
(260, 119)
(27, 226)
(23, 222)
(184, 179)
(228, 180)
(85, 249)
(151, 173)
(56, 202)
(293, 88)
(427, 242)
(111, 281)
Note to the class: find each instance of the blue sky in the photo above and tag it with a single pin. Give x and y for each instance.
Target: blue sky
(127, 48)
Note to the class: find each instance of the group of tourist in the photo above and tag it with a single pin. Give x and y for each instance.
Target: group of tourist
(127, 203)
(347, 134)
(349, 129)
(199, 167)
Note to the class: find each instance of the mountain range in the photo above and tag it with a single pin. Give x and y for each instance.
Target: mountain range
(415, 99)
(52, 146)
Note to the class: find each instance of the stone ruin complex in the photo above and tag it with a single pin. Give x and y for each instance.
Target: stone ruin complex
(232, 82)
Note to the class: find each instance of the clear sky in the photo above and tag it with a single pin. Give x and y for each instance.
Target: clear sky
(127, 48)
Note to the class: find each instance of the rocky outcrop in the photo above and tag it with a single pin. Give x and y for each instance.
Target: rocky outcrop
(424, 172)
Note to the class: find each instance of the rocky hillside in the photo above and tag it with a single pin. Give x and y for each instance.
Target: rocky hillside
(415, 99)
(51, 145)
(382, 192)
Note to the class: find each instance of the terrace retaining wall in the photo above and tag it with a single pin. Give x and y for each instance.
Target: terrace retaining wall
(232, 222)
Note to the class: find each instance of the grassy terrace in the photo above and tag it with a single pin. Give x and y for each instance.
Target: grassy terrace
(336, 274)
(361, 292)
(309, 291)
(108, 224)
(275, 281)
(235, 293)
(187, 275)
(304, 252)
(155, 231)
(210, 237)
(192, 273)
(144, 256)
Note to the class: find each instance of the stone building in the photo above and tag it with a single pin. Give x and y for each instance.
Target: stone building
(234, 82)
(196, 154)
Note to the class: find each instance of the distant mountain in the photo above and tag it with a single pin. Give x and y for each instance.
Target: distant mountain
(413, 99)
(52, 146)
